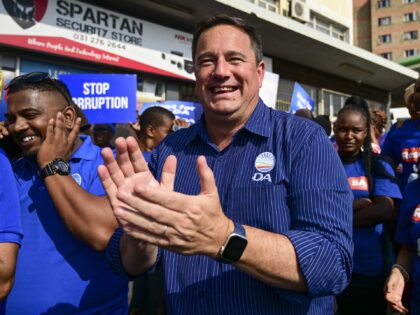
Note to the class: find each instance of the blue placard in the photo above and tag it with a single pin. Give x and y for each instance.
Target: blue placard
(189, 111)
(104, 98)
(301, 99)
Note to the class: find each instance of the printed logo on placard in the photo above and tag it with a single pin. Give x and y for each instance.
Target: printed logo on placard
(358, 183)
(416, 214)
(26, 12)
(77, 178)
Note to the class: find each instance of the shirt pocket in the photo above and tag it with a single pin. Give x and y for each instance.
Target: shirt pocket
(259, 205)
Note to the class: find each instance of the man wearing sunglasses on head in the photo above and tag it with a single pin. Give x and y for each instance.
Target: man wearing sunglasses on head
(62, 268)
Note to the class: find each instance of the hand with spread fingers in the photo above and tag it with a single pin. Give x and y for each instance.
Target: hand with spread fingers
(154, 213)
(60, 140)
(181, 223)
(118, 174)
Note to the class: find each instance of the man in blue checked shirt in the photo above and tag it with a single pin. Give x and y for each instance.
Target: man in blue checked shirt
(263, 224)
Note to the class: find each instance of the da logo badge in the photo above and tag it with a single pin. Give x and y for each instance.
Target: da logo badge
(26, 12)
(77, 178)
(264, 163)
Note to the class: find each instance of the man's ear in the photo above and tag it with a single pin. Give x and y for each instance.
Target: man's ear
(69, 114)
(150, 131)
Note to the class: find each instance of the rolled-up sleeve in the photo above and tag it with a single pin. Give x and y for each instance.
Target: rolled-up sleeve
(320, 203)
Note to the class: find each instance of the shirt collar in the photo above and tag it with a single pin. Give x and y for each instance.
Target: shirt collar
(257, 124)
(258, 121)
(86, 150)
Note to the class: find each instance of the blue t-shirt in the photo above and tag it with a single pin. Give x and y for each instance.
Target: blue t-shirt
(10, 223)
(408, 233)
(410, 156)
(367, 258)
(396, 145)
(56, 272)
(280, 174)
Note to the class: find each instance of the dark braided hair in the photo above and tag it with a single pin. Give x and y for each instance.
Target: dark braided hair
(371, 161)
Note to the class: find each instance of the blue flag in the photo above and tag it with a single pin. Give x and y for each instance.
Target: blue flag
(301, 99)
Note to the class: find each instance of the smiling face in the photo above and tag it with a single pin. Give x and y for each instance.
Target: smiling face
(27, 116)
(227, 76)
(350, 130)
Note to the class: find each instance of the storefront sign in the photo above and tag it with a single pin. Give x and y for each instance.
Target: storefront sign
(104, 98)
(83, 31)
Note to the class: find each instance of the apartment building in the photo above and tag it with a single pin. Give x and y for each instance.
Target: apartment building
(393, 29)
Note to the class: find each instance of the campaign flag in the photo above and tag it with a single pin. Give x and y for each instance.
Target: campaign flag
(301, 99)
(189, 111)
(104, 98)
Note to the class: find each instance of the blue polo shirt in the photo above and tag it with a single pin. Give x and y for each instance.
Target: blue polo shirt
(56, 272)
(408, 233)
(10, 223)
(279, 174)
(398, 145)
(367, 256)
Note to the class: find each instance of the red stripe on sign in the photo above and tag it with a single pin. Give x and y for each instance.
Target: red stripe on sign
(66, 47)
(358, 183)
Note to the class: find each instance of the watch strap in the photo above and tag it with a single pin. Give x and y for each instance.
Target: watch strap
(238, 231)
(52, 168)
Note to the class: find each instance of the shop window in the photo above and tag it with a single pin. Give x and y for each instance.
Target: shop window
(408, 1)
(7, 62)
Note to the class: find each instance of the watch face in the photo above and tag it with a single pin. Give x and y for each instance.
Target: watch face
(63, 167)
(235, 248)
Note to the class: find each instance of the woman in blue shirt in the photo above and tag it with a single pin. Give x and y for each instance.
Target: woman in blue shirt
(375, 190)
(408, 260)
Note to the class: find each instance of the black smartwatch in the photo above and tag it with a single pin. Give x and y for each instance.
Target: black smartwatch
(234, 245)
(56, 166)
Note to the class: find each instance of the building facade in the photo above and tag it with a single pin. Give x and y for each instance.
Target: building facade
(393, 28)
(305, 41)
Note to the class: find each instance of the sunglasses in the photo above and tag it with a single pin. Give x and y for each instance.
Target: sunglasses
(38, 77)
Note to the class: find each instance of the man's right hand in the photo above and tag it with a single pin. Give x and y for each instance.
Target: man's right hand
(119, 175)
